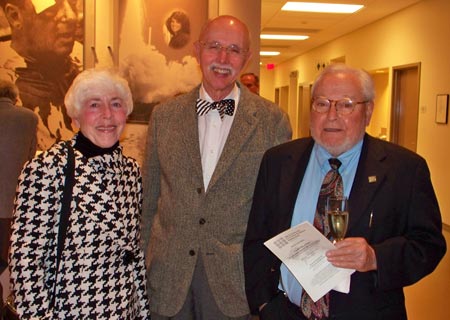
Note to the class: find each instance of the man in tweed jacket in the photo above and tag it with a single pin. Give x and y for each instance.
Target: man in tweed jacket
(199, 176)
(17, 145)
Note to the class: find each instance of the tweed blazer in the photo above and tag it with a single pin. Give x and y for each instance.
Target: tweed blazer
(392, 205)
(182, 222)
(17, 145)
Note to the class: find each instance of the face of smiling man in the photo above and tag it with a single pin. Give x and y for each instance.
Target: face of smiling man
(335, 132)
(222, 52)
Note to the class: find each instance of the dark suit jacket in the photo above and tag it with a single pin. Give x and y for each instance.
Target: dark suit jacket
(181, 222)
(405, 231)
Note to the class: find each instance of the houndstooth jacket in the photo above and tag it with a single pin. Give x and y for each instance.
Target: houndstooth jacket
(102, 271)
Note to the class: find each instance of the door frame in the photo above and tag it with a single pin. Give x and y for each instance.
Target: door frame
(396, 103)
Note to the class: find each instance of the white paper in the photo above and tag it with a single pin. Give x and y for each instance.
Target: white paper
(302, 249)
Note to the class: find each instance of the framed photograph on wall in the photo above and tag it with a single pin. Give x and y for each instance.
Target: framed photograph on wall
(157, 64)
(442, 108)
(156, 52)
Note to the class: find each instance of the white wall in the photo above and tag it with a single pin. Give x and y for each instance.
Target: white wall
(419, 33)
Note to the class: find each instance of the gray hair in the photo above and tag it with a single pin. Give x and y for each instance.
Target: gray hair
(365, 79)
(9, 90)
(98, 79)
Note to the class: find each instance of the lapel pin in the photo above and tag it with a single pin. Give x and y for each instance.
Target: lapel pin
(372, 179)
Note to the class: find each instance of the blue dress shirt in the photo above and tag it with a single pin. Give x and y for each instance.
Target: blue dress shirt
(305, 209)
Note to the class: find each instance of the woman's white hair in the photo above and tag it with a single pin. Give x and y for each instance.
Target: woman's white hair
(92, 81)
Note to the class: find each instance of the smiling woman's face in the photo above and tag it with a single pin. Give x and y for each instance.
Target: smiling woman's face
(102, 117)
(175, 25)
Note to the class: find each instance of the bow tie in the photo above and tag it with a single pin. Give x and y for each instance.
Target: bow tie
(225, 106)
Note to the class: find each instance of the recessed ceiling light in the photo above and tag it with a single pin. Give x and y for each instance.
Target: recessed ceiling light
(269, 53)
(321, 7)
(283, 37)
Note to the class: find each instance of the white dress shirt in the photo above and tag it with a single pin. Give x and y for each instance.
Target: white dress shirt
(213, 133)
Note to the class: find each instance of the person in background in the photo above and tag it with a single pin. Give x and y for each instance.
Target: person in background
(102, 268)
(179, 28)
(202, 156)
(17, 145)
(43, 35)
(394, 235)
(251, 81)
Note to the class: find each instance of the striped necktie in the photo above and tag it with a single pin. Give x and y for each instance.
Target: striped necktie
(225, 107)
(332, 185)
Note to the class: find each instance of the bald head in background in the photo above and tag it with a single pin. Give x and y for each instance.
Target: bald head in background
(251, 81)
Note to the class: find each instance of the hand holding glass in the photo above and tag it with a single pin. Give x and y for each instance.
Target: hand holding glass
(337, 214)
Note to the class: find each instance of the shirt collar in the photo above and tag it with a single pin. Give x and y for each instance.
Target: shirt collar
(323, 155)
(234, 94)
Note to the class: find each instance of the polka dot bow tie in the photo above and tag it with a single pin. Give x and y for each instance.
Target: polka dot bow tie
(225, 106)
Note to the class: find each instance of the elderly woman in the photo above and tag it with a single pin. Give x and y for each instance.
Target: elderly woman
(101, 272)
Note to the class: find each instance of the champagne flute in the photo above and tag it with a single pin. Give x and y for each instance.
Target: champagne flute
(337, 214)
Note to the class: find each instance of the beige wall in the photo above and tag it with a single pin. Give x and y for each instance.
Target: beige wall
(266, 88)
(101, 34)
(380, 116)
(419, 33)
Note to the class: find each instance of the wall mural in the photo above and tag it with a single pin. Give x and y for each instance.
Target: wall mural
(41, 46)
(157, 58)
(41, 49)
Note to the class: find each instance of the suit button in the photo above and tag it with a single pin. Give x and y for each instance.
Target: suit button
(199, 190)
(191, 252)
(202, 221)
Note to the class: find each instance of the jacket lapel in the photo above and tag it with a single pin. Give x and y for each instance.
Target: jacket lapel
(369, 177)
(292, 171)
(242, 129)
(189, 127)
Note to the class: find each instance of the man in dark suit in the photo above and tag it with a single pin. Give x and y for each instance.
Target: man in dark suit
(199, 175)
(17, 145)
(394, 236)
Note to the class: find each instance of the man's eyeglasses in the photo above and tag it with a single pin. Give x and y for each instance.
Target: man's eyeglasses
(343, 106)
(216, 48)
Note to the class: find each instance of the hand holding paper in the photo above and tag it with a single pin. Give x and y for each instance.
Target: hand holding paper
(302, 249)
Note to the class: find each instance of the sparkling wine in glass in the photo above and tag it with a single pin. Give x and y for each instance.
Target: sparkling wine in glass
(337, 215)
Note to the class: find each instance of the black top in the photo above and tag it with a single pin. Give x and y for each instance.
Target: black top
(89, 149)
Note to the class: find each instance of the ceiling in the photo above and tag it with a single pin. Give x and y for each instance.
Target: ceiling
(320, 27)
